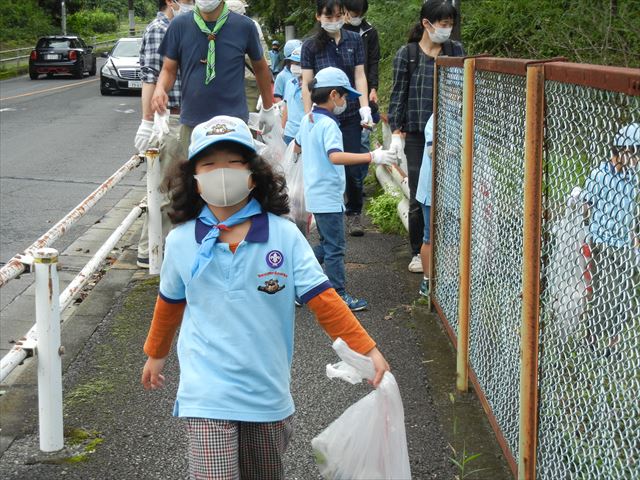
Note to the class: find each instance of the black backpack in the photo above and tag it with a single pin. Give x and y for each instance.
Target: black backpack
(414, 55)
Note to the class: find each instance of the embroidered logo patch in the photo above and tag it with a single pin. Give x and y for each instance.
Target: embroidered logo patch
(220, 129)
(274, 259)
(271, 286)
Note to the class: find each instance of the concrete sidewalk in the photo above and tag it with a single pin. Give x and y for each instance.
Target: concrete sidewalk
(115, 429)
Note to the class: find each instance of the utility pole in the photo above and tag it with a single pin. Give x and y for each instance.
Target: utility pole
(132, 20)
(64, 18)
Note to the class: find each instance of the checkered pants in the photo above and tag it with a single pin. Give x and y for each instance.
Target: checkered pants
(228, 450)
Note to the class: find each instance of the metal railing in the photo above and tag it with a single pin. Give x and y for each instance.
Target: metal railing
(43, 339)
(545, 313)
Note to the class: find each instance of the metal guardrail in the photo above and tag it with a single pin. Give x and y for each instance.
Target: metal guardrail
(43, 339)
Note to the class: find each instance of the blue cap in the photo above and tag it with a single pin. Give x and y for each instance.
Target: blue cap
(334, 77)
(295, 55)
(289, 47)
(628, 136)
(275, 42)
(220, 129)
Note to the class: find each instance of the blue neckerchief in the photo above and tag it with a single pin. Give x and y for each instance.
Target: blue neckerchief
(205, 252)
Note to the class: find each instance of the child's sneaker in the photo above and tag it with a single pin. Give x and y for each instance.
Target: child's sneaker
(298, 301)
(354, 304)
(424, 287)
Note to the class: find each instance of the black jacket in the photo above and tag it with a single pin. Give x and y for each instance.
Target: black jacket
(371, 44)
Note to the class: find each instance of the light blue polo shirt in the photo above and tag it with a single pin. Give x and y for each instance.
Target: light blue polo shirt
(295, 107)
(423, 192)
(281, 81)
(324, 182)
(612, 196)
(236, 339)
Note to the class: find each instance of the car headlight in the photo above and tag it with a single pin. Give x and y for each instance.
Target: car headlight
(108, 69)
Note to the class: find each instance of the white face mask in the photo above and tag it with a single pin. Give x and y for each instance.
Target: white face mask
(332, 27)
(182, 9)
(440, 35)
(207, 6)
(224, 187)
(339, 109)
(355, 21)
(296, 70)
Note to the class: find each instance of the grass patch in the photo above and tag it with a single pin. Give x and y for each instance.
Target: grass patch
(383, 211)
(87, 391)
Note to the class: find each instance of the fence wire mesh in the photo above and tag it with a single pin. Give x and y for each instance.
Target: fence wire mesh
(446, 216)
(589, 365)
(496, 244)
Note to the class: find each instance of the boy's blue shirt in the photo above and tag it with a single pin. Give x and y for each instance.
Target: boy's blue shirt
(295, 107)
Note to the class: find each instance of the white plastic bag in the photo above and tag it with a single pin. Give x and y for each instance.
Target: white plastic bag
(368, 441)
(292, 167)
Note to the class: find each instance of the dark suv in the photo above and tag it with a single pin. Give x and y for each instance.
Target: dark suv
(62, 54)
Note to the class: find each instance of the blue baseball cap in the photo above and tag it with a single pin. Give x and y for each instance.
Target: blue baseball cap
(289, 47)
(628, 136)
(220, 129)
(295, 55)
(334, 77)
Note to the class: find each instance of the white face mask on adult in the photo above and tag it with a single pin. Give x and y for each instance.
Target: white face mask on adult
(224, 187)
(440, 35)
(207, 6)
(182, 9)
(355, 21)
(332, 27)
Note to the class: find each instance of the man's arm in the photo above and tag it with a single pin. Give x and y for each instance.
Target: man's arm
(147, 95)
(263, 78)
(166, 80)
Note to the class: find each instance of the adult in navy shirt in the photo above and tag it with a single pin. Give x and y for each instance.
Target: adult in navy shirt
(209, 47)
(332, 46)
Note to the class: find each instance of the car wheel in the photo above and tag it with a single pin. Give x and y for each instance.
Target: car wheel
(105, 92)
(50, 75)
(94, 69)
(79, 71)
(33, 75)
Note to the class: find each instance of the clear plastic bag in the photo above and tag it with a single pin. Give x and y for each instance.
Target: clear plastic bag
(292, 167)
(368, 441)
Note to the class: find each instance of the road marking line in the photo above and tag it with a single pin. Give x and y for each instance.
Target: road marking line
(50, 89)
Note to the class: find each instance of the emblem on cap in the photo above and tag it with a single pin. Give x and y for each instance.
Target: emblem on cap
(274, 259)
(220, 129)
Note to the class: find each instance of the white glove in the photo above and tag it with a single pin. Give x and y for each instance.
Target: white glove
(396, 143)
(160, 124)
(574, 198)
(384, 157)
(366, 120)
(266, 120)
(143, 135)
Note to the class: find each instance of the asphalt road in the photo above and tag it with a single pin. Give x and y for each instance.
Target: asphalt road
(59, 140)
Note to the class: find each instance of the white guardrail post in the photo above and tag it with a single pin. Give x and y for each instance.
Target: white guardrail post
(154, 216)
(48, 350)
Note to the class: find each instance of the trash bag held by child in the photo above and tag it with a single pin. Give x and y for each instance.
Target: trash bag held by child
(368, 441)
(292, 166)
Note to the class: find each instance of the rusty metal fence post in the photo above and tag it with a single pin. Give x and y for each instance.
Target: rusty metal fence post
(531, 273)
(466, 182)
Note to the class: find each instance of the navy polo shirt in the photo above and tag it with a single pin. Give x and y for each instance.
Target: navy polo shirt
(346, 55)
(225, 94)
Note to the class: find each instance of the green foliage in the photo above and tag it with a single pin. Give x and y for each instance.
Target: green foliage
(585, 31)
(22, 22)
(89, 22)
(383, 211)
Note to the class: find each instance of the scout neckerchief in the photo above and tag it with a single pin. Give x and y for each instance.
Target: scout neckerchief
(205, 253)
(211, 35)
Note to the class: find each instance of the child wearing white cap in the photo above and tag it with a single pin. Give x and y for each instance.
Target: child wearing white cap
(231, 270)
(324, 160)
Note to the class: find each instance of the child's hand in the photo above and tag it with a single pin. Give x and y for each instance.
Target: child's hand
(152, 377)
(384, 157)
(380, 365)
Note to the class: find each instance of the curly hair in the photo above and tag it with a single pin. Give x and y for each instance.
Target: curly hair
(270, 187)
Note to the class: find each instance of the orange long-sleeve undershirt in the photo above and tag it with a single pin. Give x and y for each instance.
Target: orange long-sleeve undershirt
(331, 312)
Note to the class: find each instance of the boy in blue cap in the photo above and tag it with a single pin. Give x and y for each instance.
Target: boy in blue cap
(323, 160)
(230, 273)
(293, 110)
(276, 58)
(285, 75)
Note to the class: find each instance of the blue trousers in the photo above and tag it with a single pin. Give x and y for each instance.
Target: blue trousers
(355, 174)
(331, 249)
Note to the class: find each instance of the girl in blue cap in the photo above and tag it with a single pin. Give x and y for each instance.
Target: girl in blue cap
(231, 270)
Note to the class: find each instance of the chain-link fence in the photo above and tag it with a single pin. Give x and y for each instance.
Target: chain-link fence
(446, 218)
(589, 415)
(576, 128)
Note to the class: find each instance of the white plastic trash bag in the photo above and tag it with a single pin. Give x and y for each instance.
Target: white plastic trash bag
(368, 441)
(292, 167)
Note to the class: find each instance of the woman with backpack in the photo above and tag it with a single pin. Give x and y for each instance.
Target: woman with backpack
(411, 102)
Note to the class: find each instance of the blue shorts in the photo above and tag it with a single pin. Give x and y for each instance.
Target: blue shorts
(426, 213)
